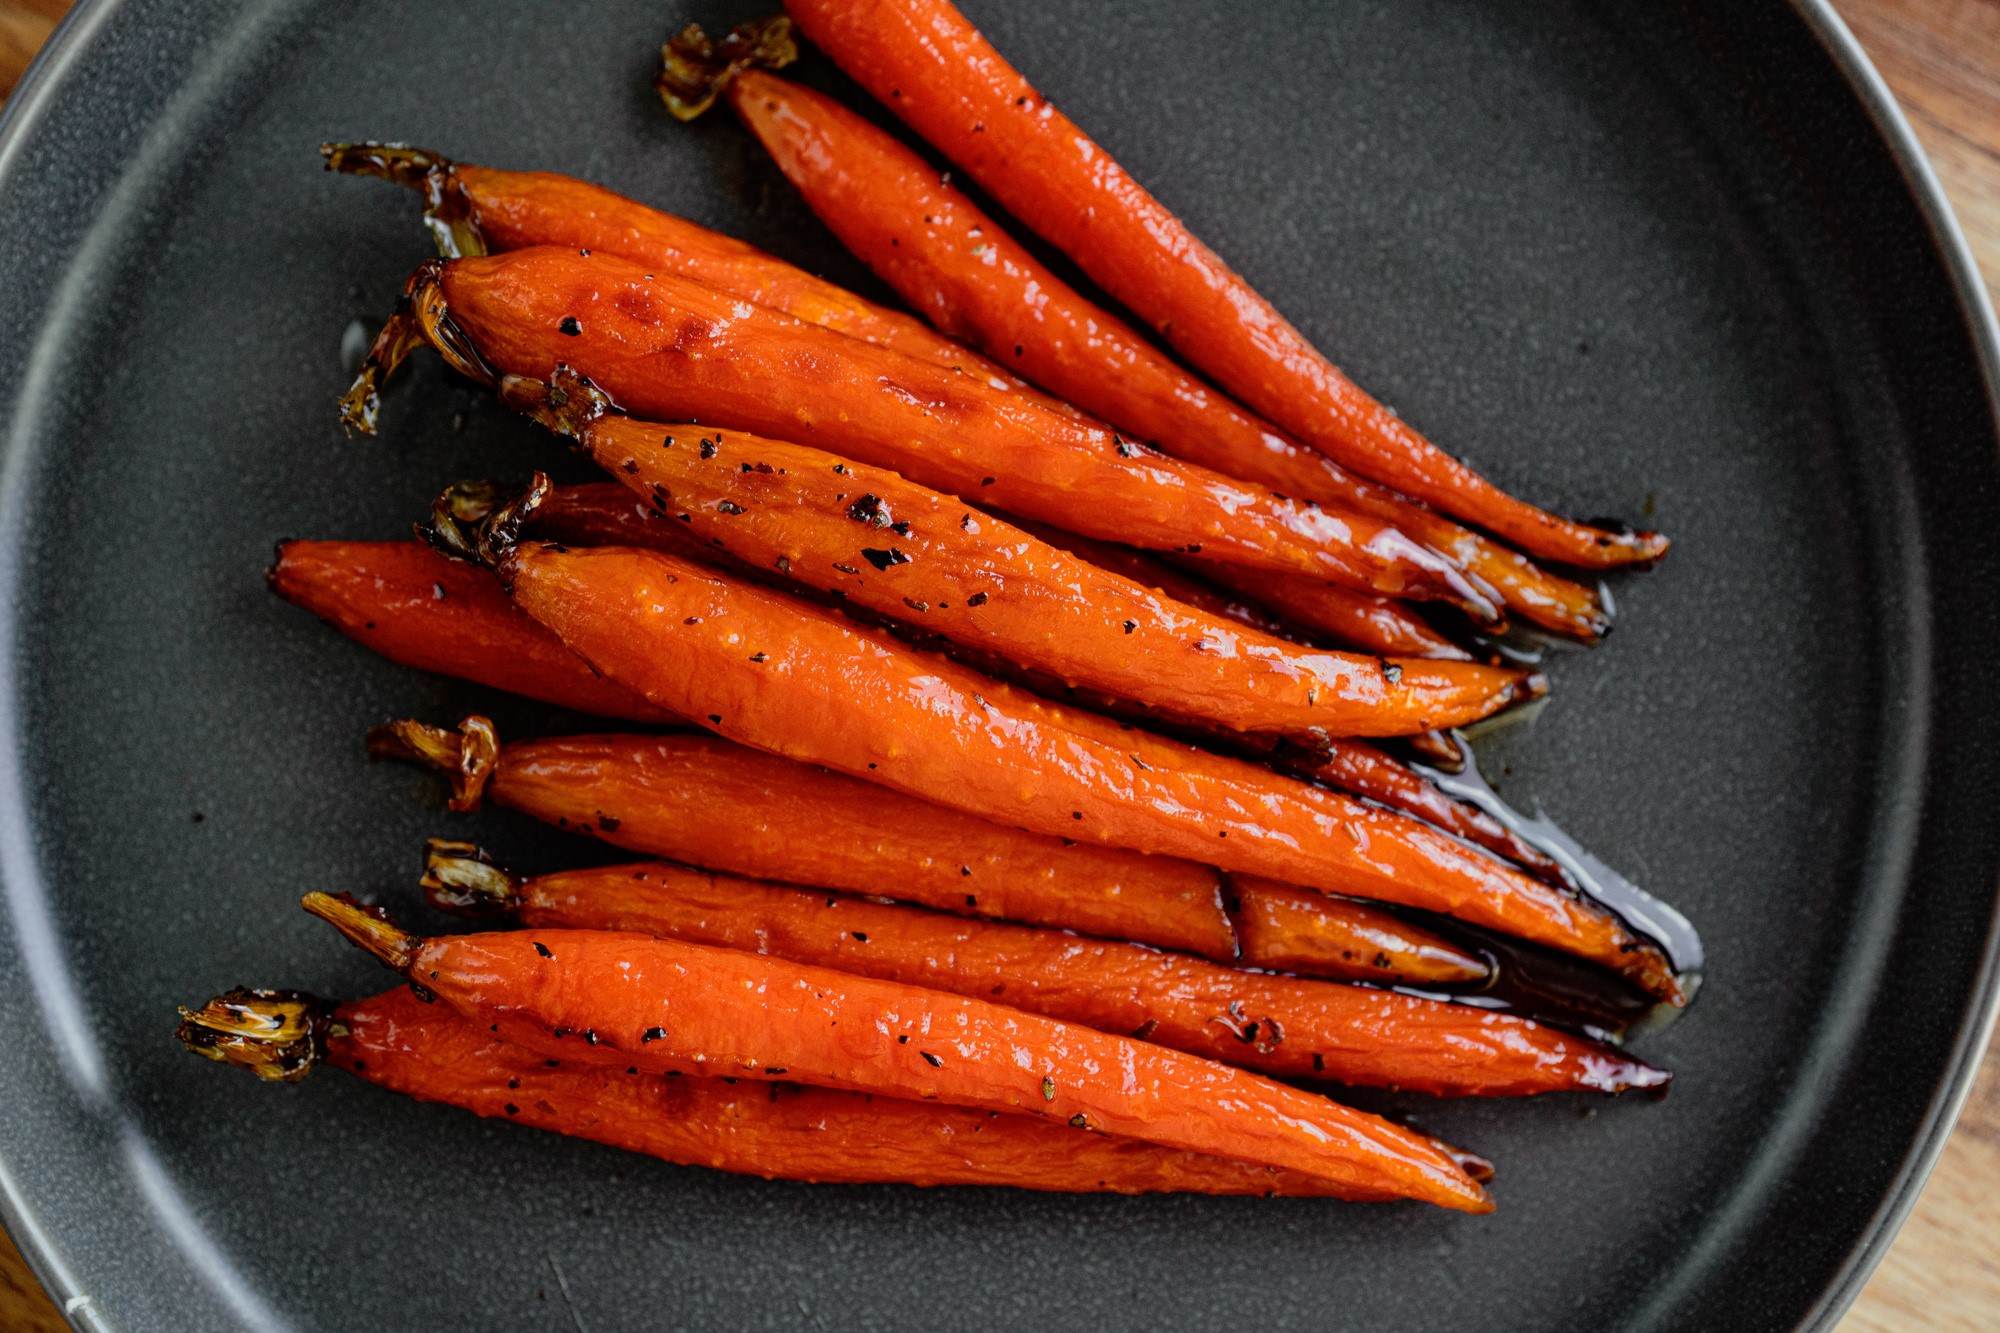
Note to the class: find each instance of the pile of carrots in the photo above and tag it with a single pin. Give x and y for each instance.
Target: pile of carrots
(1018, 716)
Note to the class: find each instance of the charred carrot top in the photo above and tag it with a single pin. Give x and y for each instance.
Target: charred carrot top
(473, 210)
(668, 349)
(779, 1131)
(414, 606)
(961, 270)
(1287, 929)
(1279, 1025)
(828, 692)
(907, 552)
(925, 62)
(634, 1001)
(707, 802)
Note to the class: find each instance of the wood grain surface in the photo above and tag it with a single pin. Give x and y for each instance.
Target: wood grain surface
(1942, 58)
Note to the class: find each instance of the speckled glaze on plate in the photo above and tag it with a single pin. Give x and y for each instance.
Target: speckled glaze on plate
(1670, 258)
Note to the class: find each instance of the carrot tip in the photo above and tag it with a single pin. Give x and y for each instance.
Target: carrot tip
(460, 878)
(278, 1035)
(467, 758)
(695, 70)
(367, 927)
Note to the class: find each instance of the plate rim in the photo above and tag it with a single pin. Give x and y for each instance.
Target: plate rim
(25, 106)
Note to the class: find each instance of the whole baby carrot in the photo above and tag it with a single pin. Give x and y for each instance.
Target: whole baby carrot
(961, 270)
(779, 1131)
(1278, 1025)
(707, 802)
(874, 540)
(924, 61)
(414, 606)
(475, 210)
(668, 349)
(785, 676)
(614, 1000)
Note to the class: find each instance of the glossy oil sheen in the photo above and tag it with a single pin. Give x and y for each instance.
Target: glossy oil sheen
(1625, 256)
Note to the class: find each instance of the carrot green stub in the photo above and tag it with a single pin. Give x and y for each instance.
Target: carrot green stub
(828, 692)
(612, 1000)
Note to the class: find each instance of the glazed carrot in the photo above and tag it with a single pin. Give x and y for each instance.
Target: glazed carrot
(1277, 1025)
(397, 597)
(1288, 929)
(474, 210)
(666, 348)
(1360, 768)
(829, 692)
(707, 802)
(779, 1131)
(613, 1000)
(961, 270)
(1342, 615)
(925, 62)
(904, 551)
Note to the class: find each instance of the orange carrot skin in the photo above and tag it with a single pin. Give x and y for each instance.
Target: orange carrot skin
(707, 802)
(668, 349)
(779, 1131)
(1358, 619)
(905, 551)
(633, 1001)
(414, 606)
(964, 273)
(1288, 929)
(928, 64)
(827, 692)
(1278, 1025)
(1360, 768)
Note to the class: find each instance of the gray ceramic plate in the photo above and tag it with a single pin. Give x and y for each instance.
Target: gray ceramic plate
(1665, 257)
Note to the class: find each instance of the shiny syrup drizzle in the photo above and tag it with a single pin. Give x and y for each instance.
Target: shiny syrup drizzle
(1541, 983)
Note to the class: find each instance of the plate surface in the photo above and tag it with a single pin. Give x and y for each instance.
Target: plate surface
(1637, 257)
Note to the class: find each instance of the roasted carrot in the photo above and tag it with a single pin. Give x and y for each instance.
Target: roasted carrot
(961, 270)
(1288, 929)
(474, 210)
(1360, 768)
(1342, 615)
(1277, 1025)
(612, 1000)
(666, 348)
(905, 551)
(399, 598)
(924, 61)
(780, 1131)
(829, 692)
(707, 802)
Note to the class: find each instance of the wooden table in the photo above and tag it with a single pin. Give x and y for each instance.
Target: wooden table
(1942, 58)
